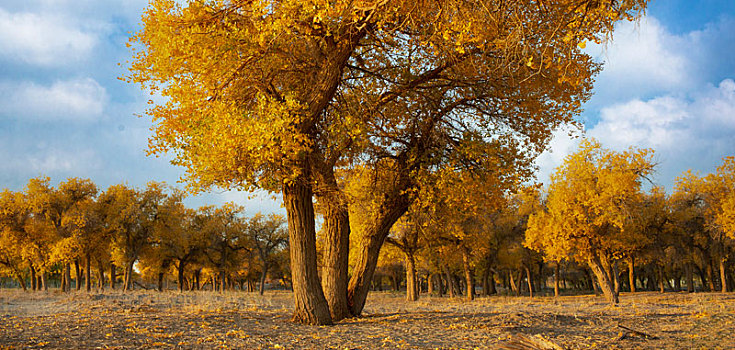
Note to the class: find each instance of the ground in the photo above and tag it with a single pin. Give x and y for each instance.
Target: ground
(206, 320)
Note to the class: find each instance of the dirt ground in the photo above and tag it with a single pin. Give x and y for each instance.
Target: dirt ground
(205, 320)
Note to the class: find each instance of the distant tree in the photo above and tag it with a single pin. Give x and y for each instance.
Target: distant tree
(590, 202)
(267, 234)
(226, 231)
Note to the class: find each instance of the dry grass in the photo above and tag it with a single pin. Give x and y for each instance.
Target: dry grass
(247, 320)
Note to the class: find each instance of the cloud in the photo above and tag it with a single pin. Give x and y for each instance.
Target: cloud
(43, 39)
(76, 99)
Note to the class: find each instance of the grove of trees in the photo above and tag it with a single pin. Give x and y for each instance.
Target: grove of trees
(45, 231)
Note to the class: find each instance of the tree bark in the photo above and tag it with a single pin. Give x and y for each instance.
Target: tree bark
(101, 277)
(67, 277)
(631, 274)
(529, 280)
(128, 280)
(310, 305)
(180, 275)
(603, 279)
(690, 277)
(412, 292)
(44, 283)
(367, 259)
(336, 251)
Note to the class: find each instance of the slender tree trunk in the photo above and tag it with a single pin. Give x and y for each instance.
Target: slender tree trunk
(160, 281)
(335, 263)
(309, 303)
(661, 278)
(430, 283)
(77, 275)
(34, 284)
(723, 273)
(690, 277)
(197, 274)
(710, 277)
(180, 275)
(44, 283)
(128, 280)
(603, 278)
(113, 276)
(491, 283)
(263, 274)
(412, 293)
(631, 274)
(513, 285)
(100, 277)
(88, 273)
(222, 282)
(67, 277)
(529, 280)
(556, 279)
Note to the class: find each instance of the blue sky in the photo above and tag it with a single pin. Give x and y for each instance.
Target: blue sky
(667, 84)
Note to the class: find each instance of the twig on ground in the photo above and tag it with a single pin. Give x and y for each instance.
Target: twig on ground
(634, 332)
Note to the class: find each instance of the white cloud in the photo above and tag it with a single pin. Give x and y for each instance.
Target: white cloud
(685, 132)
(77, 99)
(43, 39)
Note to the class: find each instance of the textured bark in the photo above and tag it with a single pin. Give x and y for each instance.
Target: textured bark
(603, 279)
(367, 258)
(529, 280)
(336, 253)
(412, 291)
(310, 306)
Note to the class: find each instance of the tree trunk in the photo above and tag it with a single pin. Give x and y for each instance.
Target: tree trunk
(412, 293)
(394, 205)
(112, 276)
(556, 279)
(661, 278)
(160, 281)
(430, 283)
(197, 274)
(101, 277)
(263, 275)
(88, 273)
(44, 283)
(77, 275)
(128, 280)
(491, 283)
(310, 306)
(335, 263)
(469, 275)
(631, 274)
(67, 277)
(723, 274)
(690, 277)
(34, 283)
(180, 275)
(222, 280)
(603, 279)
(529, 280)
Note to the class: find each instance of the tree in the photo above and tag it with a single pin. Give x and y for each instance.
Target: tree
(268, 235)
(590, 203)
(277, 94)
(227, 233)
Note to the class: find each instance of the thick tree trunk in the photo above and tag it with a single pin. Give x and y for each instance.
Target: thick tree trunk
(661, 279)
(100, 277)
(309, 303)
(336, 252)
(491, 283)
(369, 251)
(690, 277)
(603, 279)
(469, 275)
(412, 292)
(197, 275)
(430, 283)
(160, 281)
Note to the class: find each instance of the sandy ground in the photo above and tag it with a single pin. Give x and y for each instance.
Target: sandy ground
(205, 320)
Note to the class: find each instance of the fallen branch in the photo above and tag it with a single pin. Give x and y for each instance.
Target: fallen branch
(635, 332)
(536, 342)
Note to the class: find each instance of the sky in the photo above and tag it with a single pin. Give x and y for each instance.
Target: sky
(668, 84)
